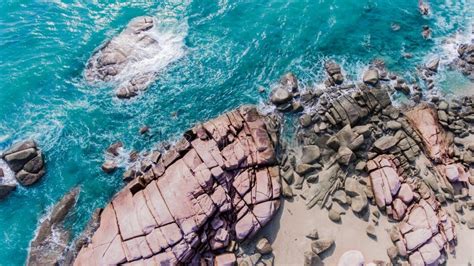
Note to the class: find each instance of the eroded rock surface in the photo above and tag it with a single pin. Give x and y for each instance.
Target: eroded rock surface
(26, 160)
(217, 186)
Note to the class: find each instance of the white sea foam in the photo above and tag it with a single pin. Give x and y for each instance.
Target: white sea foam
(9, 176)
(169, 33)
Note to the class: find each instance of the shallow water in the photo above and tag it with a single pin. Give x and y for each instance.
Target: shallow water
(218, 54)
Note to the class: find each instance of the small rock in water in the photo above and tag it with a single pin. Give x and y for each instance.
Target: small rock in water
(433, 65)
(280, 96)
(395, 26)
(144, 130)
(426, 33)
(109, 166)
(263, 246)
(114, 148)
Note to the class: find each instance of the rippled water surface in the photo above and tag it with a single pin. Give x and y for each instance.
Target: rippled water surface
(218, 54)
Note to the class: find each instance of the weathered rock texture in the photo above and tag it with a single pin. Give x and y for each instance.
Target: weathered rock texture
(217, 186)
(26, 160)
(465, 60)
(118, 53)
(51, 240)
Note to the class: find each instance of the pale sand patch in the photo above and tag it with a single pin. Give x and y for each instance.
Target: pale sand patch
(287, 233)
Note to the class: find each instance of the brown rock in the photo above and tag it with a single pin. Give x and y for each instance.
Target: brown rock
(109, 166)
(321, 245)
(263, 246)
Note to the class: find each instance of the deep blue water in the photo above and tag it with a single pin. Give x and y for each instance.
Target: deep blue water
(220, 53)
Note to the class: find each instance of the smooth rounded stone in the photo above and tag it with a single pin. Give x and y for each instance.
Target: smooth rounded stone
(393, 125)
(471, 179)
(35, 164)
(334, 216)
(313, 234)
(370, 230)
(281, 96)
(352, 187)
(351, 258)
(263, 246)
(340, 197)
(305, 120)
(18, 159)
(27, 179)
(385, 143)
(359, 203)
(311, 153)
(304, 168)
(345, 155)
(312, 259)
(321, 245)
(109, 166)
(371, 77)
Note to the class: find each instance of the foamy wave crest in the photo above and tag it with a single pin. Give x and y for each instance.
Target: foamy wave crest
(169, 35)
(9, 176)
(132, 59)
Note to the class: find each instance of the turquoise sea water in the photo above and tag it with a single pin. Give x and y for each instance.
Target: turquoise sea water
(220, 53)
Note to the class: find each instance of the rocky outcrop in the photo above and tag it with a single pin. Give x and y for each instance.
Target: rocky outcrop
(26, 160)
(216, 187)
(51, 240)
(118, 54)
(465, 60)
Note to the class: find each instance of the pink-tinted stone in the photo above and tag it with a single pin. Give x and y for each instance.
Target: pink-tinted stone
(405, 193)
(215, 190)
(157, 205)
(399, 209)
(424, 120)
(226, 259)
(415, 259)
(417, 238)
(430, 252)
(126, 218)
(145, 218)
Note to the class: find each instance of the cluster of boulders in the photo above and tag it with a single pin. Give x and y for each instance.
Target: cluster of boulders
(356, 148)
(285, 96)
(214, 188)
(465, 60)
(108, 63)
(26, 161)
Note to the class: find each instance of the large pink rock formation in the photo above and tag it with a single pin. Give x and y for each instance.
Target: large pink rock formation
(218, 186)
